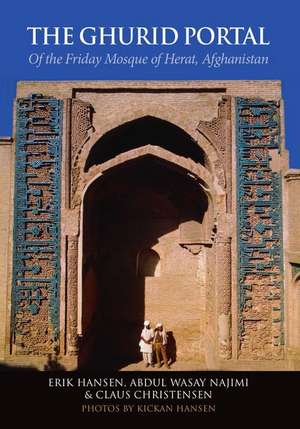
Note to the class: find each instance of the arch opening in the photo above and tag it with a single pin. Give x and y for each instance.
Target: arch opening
(147, 130)
(138, 211)
(148, 263)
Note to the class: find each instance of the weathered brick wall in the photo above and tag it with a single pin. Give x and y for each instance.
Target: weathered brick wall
(291, 211)
(5, 231)
(114, 103)
(175, 298)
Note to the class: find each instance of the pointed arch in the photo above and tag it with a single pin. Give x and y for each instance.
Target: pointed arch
(146, 130)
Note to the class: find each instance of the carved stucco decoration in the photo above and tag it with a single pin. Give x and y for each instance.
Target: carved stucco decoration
(218, 135)
(81, 130)
(215, 132)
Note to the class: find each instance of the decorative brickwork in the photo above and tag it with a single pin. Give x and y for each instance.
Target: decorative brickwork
(259, 230)
(81, 128)
(74, 218)
(223, 258)
(218, 134)
(36, 273)
(72, 298)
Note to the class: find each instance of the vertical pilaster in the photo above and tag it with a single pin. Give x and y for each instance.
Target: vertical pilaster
(72, 294)
(6, 159)
(259, 199)
(223, 280)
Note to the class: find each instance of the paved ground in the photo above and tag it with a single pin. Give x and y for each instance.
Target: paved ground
(176, 366)
(230, 365)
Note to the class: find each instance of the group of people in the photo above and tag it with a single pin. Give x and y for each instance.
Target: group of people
(154, 341)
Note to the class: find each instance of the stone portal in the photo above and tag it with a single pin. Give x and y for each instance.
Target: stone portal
(168, 201)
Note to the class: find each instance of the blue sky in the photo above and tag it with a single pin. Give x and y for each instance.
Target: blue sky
(280, 19)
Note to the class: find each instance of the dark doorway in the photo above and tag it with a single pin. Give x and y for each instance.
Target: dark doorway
(126, 211)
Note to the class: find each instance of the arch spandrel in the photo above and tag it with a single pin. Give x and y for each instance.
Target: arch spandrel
(170, 115)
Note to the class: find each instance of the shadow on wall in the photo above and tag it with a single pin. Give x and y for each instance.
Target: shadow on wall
(171, 347)
(53, 364)
(125, 214)
(16, 368)
(110, 343)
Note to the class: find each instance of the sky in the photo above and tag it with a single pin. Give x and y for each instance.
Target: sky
(281, 22)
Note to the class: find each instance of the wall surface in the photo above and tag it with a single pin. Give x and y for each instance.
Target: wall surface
(6, 183)
(197, 292)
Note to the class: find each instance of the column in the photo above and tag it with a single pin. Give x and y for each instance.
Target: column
(223, 282)
(72, 295)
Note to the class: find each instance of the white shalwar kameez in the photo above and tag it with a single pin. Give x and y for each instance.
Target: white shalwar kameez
(147, 349)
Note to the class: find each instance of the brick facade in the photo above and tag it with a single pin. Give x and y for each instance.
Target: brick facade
(153, 166)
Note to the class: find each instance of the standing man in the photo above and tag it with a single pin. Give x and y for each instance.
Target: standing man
(160, 343)
(145, 343)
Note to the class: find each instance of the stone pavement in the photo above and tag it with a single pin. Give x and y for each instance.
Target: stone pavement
(176, 366)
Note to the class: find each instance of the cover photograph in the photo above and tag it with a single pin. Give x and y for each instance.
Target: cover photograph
(149, 207)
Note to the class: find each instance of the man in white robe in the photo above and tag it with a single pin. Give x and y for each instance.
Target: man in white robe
(145, 343)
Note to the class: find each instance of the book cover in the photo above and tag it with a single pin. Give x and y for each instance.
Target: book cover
(149, 188)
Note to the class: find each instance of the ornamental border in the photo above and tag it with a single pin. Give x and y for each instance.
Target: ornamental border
(244, 132)
(22, 247)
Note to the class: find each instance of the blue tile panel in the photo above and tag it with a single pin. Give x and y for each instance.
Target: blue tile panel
(36, 257)
(259, 206)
